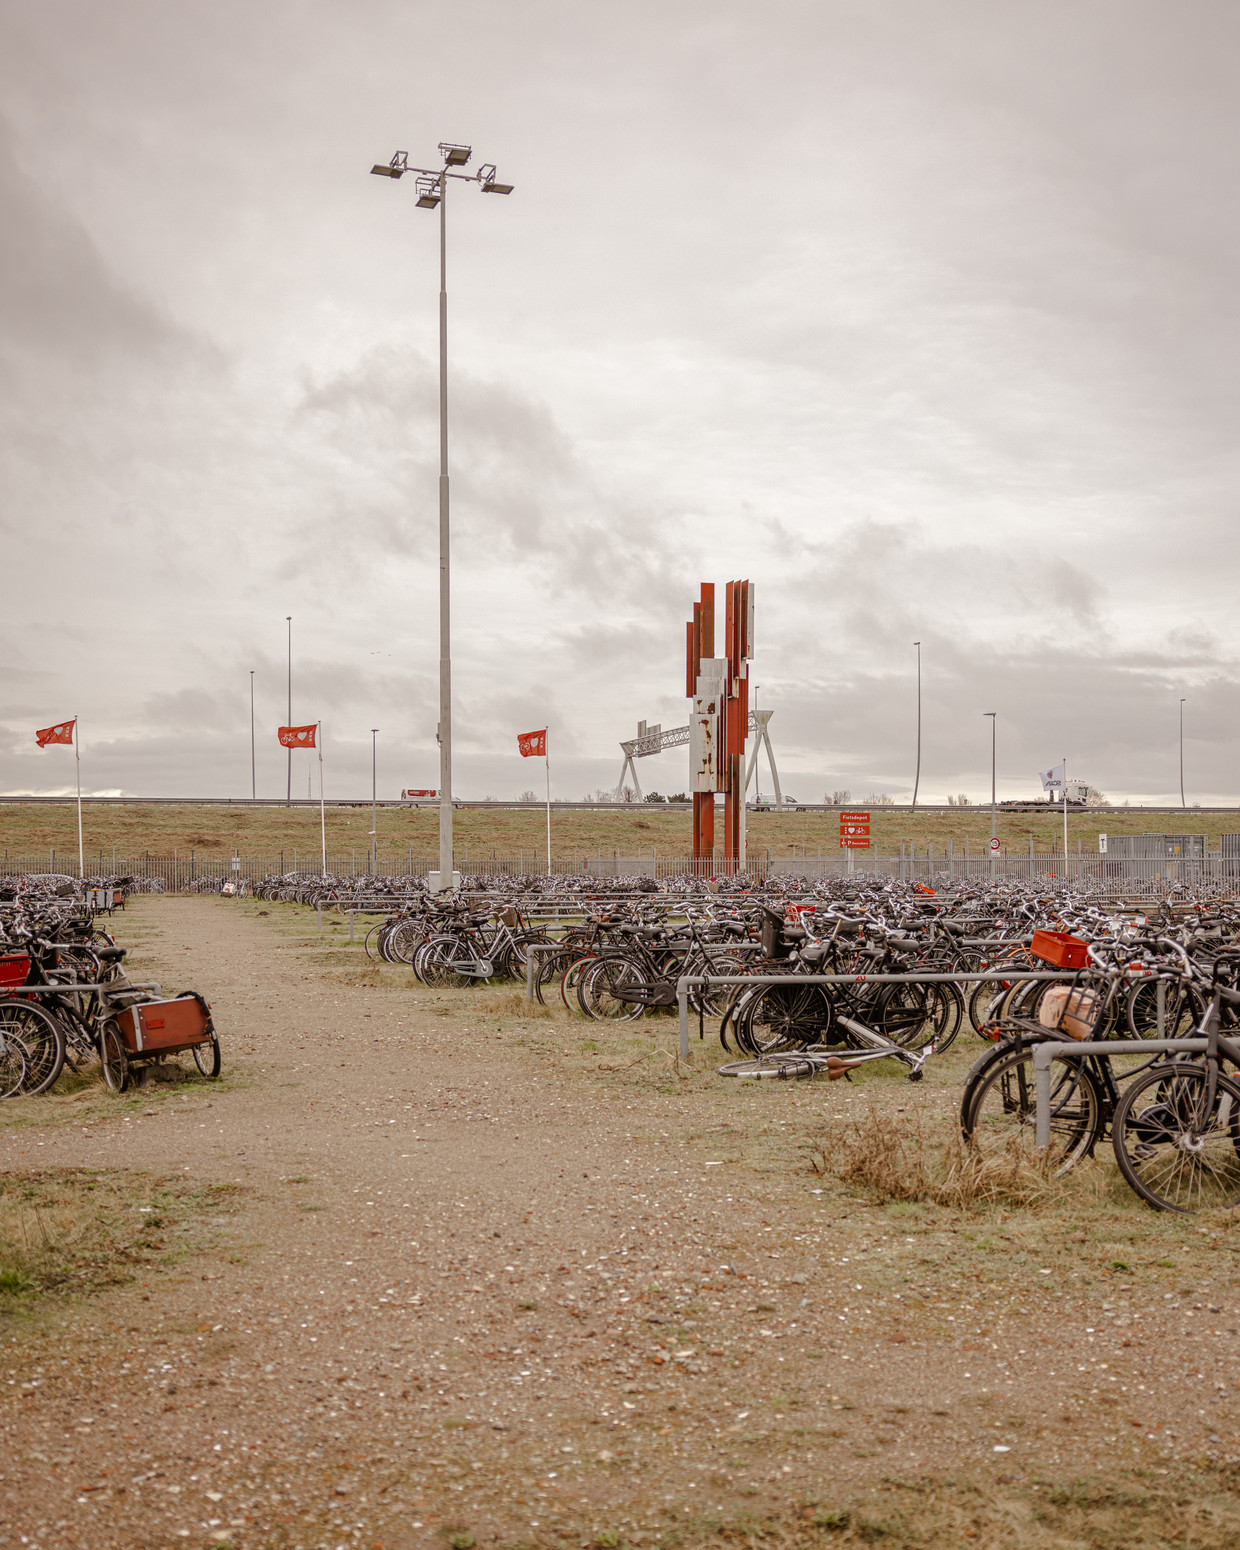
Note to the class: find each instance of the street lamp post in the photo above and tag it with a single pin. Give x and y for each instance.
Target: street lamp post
(917, 776)
(253, 761)
(993, 722)
(374, 804)
(432, 189)
(289, 622)
(1183, 803)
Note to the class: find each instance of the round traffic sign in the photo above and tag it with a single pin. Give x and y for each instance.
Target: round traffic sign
(994, 847)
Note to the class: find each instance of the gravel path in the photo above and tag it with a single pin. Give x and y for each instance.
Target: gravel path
(466, 1284)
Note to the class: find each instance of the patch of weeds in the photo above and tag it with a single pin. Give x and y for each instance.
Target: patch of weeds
(527, 1307)
(834, 1520)
(891, 1157)
(67, 1233)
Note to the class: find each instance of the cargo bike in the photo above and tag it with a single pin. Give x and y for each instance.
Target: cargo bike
(51, 1013)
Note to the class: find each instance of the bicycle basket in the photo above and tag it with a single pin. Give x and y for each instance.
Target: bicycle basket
(1069, 1009)
(14, 968)
(1061, 948)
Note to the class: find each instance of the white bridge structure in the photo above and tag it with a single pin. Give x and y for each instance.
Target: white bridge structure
(652, 740)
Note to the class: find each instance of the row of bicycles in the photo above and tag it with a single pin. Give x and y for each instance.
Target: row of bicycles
(818, 981)
(67, 1002)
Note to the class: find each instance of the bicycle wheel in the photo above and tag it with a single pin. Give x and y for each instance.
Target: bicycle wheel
(42, 1038)
(600, 991)
(980, 999)
(948, 1015)
(1183, 1009)
(113, 1057)
(906, 1014)
(569, 980)
(12, 1064)
(453, 962)
(207, 1058)
(401, 943)
(713, 1000)
(1000, 1100)
(1176, 1144)
(780, 1017)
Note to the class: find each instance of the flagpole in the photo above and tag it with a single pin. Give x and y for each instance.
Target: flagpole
(1065, 817)
(77, 759)
(547, 757)
(322, 809)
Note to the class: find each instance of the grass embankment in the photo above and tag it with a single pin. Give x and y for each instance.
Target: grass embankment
(35, 829)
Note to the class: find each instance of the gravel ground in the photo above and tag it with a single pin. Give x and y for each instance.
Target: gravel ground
(471, 1277)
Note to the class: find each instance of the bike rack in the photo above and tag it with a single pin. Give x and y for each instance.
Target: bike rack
(1044, 1053)
(74, 985)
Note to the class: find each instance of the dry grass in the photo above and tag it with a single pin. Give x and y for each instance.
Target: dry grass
(890, 1157)
(1129, 1511)
(71, 1232)
(31, 829)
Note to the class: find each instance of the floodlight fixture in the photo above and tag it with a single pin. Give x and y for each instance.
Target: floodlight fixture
(428, 193)
(486, 177)
(388, 172)
(455, 155)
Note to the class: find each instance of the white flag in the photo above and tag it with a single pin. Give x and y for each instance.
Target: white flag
(1052, 779)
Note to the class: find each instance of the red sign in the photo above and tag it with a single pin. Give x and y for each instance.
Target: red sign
(854, 831)
(62, 732)
(297, 737)
(419, 794)
(532, 744)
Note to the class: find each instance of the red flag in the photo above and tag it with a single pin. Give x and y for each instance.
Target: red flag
(62, 732)
(532, 744)
(297, 737)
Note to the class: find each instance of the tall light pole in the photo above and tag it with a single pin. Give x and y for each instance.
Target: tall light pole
(993, 723)
(253, 761)
(917, 777)
(1183, 803)
(432, 189)
(374, 803)
(289, 621)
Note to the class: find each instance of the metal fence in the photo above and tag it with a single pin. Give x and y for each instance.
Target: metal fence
(192, 873)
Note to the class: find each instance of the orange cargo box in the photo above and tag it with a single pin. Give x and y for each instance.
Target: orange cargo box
(1060, 948)
(153, 1026)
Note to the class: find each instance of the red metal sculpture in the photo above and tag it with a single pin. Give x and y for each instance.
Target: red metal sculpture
(719, 690)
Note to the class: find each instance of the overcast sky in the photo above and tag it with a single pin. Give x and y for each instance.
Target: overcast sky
(923, 316)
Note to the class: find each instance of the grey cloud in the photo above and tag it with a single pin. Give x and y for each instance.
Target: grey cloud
(953, 364)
